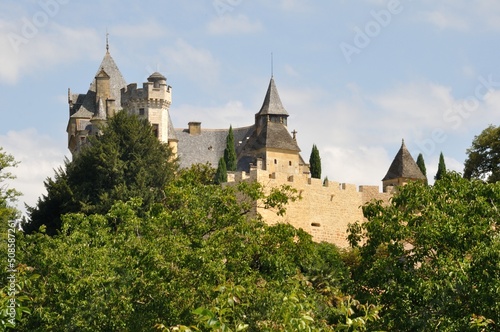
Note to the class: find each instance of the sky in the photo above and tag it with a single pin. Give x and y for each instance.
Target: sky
(356, 76)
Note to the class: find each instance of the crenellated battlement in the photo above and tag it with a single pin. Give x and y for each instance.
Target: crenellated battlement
(324, 210)
(150, 95)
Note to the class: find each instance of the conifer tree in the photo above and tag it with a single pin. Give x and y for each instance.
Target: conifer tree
(126, 161)
(421, 165)
(315, 163)
(230, 152)
(221, 173)
(441, 168)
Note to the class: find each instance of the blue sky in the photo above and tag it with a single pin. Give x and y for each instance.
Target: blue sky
(355, 76)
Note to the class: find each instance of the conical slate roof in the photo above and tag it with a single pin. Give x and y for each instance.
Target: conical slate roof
(272, 103)
(403, 166)
(87, 106)
(116, 80)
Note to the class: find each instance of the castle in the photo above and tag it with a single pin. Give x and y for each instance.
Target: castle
(266, 151)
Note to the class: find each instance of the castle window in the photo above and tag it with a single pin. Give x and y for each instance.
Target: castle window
(290, 163)
(275, 161)
(141, 111)
(315, 224)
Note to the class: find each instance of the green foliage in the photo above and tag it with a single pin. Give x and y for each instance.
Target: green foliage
(315, 163)
(221, 173)
(441, 168)
(126, 161)
(421, 166)
(483, 157)
(198, 260)
(14, 285)
(431, 257)
(230, 152)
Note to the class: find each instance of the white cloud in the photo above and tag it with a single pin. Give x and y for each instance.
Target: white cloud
(446, 20)
(38, 155)
(296, 5)
(217, 117)
(228, 24)
(463, 15)
(196, 63)
(25, 53)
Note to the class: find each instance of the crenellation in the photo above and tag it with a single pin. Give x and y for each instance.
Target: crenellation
(324, 210)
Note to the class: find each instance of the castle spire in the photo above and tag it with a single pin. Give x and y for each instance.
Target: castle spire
(107, 41)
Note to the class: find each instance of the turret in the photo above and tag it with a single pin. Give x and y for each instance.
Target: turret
(402, 170)
(272, 109)
(102, 86)
(152, 102)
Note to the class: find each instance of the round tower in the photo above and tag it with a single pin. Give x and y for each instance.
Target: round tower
(151, 102)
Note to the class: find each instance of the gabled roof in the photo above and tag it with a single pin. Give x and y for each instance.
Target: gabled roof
(403, 166)
(208, 146)
(272, 103)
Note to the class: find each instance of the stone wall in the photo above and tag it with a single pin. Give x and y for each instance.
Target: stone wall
(324, 211)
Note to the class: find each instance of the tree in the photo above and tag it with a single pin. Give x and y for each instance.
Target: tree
(230, 152)
(14, 285)
(221, 173)
(315, 163)
(126, 161)
(421, 165)
(8, 196)
(431, 256)
(441, 168)
(483, 157)
(199, 260)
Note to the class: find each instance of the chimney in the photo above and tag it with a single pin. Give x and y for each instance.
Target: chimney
(194, 128)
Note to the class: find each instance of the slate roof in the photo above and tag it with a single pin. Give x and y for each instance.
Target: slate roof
(272, 103)
(208, 146)
(273, 135)
(85, 103)
(403, 166)
(171, 130)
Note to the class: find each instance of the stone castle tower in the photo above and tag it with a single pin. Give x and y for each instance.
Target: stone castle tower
(109, 93)
(266, 150)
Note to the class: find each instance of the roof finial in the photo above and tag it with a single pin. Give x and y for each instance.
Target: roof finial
(402, 142)
(272, 74)
(107, 42)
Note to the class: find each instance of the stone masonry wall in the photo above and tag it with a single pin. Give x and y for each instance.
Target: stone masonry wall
(324, 210)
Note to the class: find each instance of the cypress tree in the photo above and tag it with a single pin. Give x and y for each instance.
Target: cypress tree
(315, 163)
(421, 165)
(230, 152)
(221, 173)
(441, 168)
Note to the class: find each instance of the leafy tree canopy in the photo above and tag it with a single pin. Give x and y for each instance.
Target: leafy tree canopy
(483, 157)
(199, 260)
(126, 161)
(431, 256)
